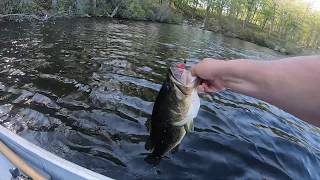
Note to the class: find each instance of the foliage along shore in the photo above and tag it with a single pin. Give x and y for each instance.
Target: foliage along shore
(287, 26)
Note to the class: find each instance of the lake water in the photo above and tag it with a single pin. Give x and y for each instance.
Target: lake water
(84, 88)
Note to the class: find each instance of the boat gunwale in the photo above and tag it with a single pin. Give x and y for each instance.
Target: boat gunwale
(56, 167)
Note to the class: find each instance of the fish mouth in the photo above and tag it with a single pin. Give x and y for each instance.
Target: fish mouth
(183, 76)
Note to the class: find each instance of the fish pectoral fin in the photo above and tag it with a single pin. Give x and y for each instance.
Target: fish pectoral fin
(148, 146)
(183, 122)
(189, 126)
(175, 149)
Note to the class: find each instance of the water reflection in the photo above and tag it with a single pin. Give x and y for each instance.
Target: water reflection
(84, 89)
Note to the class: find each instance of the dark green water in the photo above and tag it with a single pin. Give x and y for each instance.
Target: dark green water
(84, 88)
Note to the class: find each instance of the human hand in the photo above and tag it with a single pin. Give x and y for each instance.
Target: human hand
(210, 71)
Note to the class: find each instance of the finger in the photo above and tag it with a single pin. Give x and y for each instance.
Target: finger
(193, 70)
(206, 88)
(210, 89)
(200, 89)
(215, 88)
(218, 84)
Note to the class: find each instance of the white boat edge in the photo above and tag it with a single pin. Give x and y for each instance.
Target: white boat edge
(49, 163)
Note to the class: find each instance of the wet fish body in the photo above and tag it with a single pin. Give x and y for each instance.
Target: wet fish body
(175, 108)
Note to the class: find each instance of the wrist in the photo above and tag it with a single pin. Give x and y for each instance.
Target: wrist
(245, 76)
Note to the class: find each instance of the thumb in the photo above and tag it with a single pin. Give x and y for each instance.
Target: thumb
(194, 70)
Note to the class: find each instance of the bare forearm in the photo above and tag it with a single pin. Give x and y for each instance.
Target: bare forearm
(292, 84)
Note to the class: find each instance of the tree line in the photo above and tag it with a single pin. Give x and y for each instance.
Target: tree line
(285, 23)
(267, 22)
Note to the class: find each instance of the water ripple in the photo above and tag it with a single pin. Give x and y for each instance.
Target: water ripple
(84, 90)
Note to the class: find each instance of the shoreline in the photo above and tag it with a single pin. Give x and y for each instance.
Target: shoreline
(192, 23)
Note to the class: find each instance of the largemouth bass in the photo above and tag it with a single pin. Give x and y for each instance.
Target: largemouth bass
(175, 108)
